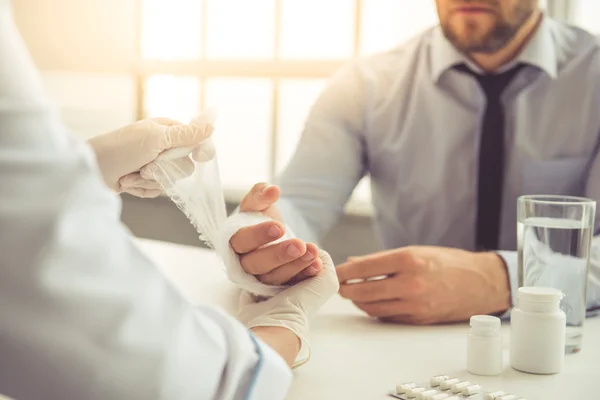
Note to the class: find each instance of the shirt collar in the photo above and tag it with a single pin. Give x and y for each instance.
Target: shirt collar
(539, 52)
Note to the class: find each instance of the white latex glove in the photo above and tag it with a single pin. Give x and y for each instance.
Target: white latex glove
(121, 153)
(294, 307)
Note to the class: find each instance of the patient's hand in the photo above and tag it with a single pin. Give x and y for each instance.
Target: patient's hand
(289, 261)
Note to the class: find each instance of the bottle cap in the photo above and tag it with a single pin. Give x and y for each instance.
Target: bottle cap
(539, 294)
(485, 321)
(539, 298)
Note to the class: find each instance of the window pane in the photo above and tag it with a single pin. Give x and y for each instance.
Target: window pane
(91, 104)
(176, 97)
(296, 96)
(243, 129)
(318, 29)
(171, 29)
(241, 28)
(386, 23)
(588, 15)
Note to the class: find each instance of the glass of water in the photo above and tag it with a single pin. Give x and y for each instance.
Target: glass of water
(554, 235)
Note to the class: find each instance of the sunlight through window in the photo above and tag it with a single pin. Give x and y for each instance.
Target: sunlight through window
(241, 29)
(171, 29)
(317, 29)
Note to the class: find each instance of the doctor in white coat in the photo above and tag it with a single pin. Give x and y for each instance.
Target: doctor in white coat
(83, 314)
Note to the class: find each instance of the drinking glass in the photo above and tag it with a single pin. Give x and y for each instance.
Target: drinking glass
(554, 235)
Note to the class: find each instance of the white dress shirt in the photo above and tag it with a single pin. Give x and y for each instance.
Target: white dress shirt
(412, 123)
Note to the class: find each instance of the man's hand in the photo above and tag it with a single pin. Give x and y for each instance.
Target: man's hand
(273, 264)
(426, 285)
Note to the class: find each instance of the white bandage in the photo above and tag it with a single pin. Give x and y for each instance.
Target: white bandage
(234, 269)
(190, 177)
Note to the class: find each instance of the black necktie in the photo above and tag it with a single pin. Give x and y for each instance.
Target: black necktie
(490, 179)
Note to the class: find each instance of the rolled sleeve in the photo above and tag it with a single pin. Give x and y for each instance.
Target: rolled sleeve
(511, 261)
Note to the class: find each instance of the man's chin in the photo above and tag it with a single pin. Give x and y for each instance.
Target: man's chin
(469, 41)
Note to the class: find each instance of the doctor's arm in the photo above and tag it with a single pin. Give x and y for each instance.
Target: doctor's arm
(84, 314)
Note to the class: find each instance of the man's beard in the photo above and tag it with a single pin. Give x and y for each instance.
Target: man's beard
(494, 40)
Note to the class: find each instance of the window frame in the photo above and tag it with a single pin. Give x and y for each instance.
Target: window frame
(275, 69)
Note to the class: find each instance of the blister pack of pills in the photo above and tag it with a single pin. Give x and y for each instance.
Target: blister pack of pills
(444, 387)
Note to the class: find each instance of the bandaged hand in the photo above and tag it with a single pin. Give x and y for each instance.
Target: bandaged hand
(294, 307)
(122, 153)
(260, 252)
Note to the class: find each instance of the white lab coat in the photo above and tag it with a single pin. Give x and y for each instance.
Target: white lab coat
(83, 314)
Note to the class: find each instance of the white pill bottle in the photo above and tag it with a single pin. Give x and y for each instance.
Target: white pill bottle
(537, 331)
(484, 346)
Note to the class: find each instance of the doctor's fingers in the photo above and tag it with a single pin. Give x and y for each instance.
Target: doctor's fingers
(309, 263)
(395, 287)
(143, 193)
(179, 168)
(266, 259)
(135, 181)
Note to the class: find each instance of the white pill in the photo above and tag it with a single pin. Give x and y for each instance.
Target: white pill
(471, 390)
(403, 388)
(440, 396)
(494, 395)
(426, 395)
(445, 385)
(509, 397)
(436, 380)
(412, 393)
(458, 387)
(453, 398)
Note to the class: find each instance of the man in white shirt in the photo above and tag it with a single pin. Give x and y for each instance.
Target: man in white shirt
(496, 102)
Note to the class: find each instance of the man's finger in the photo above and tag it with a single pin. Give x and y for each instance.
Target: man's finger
(395, 287)
(378, 264)
(282, 275)
(266, 259)
(260, 197)
(371, 291)
(252, 237)
(387, 308)
(410, 319)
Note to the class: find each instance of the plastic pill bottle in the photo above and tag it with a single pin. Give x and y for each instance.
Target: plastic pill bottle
(537, 331)
(484, 346)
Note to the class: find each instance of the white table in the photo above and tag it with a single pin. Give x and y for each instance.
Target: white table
(355, 357)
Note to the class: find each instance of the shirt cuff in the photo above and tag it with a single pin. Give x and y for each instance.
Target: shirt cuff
(512, 268)
(272, 376)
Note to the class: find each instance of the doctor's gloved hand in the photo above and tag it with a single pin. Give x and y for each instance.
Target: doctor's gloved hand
(122, 153)
(294, 307)
(288, 261)
(426, 284)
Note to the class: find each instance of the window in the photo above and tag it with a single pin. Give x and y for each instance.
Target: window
(385, 23)
(587, 15)
(262, 63)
